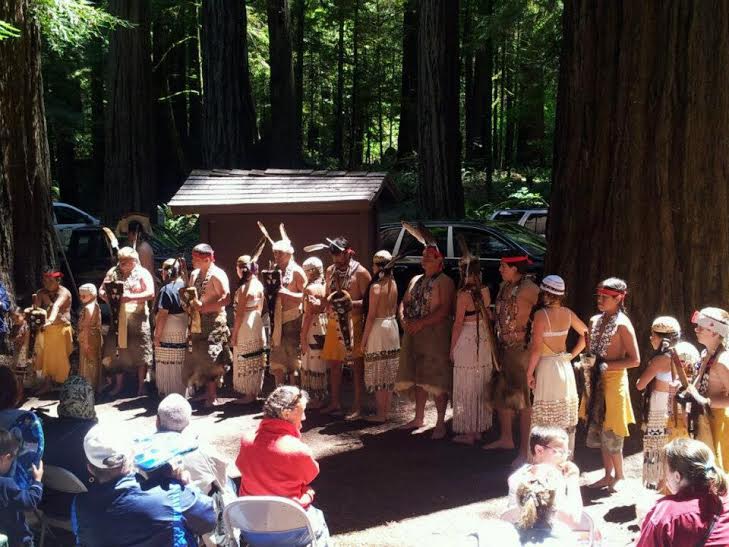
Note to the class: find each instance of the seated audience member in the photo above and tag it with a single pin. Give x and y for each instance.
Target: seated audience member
(536, 496)
(274, 461)
(14, 499)
(64, 439)
(697, 510)
(550, 445)
(208, 471)
(119, 511)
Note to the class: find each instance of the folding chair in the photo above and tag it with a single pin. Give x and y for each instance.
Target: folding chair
(269, 521)
(60, 480)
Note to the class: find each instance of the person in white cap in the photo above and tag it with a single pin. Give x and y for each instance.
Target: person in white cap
(118, 510)
(657, 380)
(381, 336)
(286, 330)
(90, 339)
(550, 373)
(313, 331)
(711, 387)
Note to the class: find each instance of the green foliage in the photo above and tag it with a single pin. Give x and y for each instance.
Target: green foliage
(509, 190)
(8, 31)
(177, 232)
(68, 24)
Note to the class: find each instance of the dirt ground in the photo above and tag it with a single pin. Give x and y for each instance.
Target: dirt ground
(383, 486)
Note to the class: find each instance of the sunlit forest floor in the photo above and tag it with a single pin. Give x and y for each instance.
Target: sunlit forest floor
(383, 486)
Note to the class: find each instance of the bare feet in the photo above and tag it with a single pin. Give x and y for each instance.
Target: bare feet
(354, 415)
(464, 439)
(412, 424)
(376, 419)
(438, 432)
(211, 403)
(617, 485)
(603, 482)
(500, 444)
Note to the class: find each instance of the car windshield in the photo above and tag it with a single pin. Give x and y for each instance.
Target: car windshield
(508, 216)
(529, 241)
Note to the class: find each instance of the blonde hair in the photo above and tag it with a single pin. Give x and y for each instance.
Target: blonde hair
(535, 495)
(127, 252)
(695, 462)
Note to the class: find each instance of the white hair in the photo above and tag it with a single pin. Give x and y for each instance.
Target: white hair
(88, 288)
(173, 413)
(127, 252)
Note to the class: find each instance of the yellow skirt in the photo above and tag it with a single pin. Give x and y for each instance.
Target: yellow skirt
(618, 409)
(719, 421)
(334, 349)
(57, 347)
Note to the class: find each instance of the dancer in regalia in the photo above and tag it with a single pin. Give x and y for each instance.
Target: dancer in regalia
(249, 337)
(313, 332)
(53, 360)
(381, 338)
(609, 410)
(90, 339)
(170, 331)
(550, 374)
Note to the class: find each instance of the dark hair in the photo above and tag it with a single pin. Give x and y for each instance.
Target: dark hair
(203, 248)
(696, 464)
(521, 267)
(338, 244)
(136, 227)
(542, 436)
(616, 284)
(8, 388)
(536, 497)
(9, 443)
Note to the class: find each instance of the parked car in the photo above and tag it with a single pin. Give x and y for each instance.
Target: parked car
(67, 217)
(534, 220)
(489, 240)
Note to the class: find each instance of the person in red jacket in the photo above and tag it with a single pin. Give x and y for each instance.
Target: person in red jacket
(697, 511)
(275, 461)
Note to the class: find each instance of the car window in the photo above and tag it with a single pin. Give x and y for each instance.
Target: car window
(480, 242)
(537, 223)
(412, 247)
(529, 241)
(508, 216)
(388, 238)
(66, 215)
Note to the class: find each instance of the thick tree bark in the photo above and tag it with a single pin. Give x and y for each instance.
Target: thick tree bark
(27, 242)
(129, 174)
(338, 147)
(640, 164)
(440, 191)
(284, 145)
(300, 25)
(229, 120)
(407, 137)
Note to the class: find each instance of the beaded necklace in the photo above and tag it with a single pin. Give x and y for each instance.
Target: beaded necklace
(602, 332)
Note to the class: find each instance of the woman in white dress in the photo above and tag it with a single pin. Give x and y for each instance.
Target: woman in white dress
(313, 331)
(249, 337)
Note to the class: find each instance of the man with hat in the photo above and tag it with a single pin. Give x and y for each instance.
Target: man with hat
(210, 352)
(53, 359)
(517, 296)
(118, 510)
(286, 330)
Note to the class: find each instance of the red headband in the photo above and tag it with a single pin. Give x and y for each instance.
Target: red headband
(516, 259)
(610, 292)
(197, 254)
(53, 275)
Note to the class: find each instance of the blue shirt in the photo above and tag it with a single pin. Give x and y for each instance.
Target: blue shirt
(4, 309)
(123, 513)
(14, 500)
(169, 297)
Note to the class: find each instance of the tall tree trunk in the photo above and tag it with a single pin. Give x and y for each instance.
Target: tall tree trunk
(467, 51)
(26, 231)
(94, 52)
(338, 148)
(129, 177)
(283, 149)
(299, 29)
(440, 192)
(483, 92)
(228, 113)
(355, 131)
(407, 137)
(640, 163)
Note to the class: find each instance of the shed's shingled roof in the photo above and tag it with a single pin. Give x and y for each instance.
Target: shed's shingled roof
(237, 190)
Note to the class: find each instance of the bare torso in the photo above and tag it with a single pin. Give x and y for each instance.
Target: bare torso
(216, 292)
(62, 297)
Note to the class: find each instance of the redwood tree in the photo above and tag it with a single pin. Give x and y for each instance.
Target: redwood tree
(284, 146)
(229, 118)
(440, 191)
(26, 231)
(640, 166)
(407, 137)
(129, 174)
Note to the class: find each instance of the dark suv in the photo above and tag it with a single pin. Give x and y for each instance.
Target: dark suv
(489, 240)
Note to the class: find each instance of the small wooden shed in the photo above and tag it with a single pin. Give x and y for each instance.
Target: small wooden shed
(312, 205)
